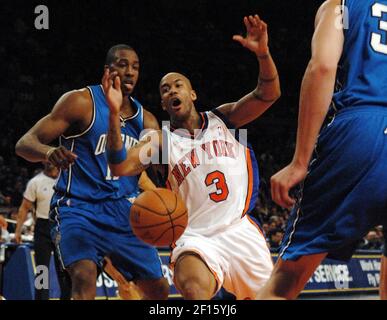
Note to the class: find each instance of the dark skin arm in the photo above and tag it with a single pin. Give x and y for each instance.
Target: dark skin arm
(71, 113)
(252, 105)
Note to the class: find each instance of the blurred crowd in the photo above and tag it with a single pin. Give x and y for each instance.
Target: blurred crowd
(193, 38)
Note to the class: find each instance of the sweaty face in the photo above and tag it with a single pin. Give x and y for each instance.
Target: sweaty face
(127, 65)
(177, 95)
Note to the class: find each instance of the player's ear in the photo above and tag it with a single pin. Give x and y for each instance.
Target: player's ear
(193, 95)
(163, 106)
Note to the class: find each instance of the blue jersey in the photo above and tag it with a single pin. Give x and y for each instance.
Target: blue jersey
(89, 178)
(362, 76)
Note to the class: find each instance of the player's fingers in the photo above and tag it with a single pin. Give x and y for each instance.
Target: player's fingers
(70, 156)
(61, 159)
(55, 159)
(117, 83)
(253, 20)
(105, 79)
(247, 23)
(239, 39)
(286, 201)
(112, 75)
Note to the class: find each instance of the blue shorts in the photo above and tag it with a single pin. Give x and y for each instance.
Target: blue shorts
(91, 231)
(345, 192)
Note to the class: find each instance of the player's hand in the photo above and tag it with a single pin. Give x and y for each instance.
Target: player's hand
(283, 181)
(60, 157)
(112, 87)
(256, 39)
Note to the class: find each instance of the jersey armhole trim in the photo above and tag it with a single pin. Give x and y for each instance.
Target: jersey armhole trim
(222, 117)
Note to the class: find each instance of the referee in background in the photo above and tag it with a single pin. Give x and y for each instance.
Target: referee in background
(38, 194)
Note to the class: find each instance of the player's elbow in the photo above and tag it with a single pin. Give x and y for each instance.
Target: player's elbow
(322, 67)
(20, 147)
(277, 93)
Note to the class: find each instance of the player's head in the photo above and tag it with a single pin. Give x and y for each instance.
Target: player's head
(123, 59)
(177, 95)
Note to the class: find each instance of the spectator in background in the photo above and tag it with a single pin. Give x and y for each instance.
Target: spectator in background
(275, 239)
(38, 193)
(372, 241)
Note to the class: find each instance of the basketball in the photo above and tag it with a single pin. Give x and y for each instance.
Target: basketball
(158, 217)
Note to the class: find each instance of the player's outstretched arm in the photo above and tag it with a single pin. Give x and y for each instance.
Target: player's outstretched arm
(34, 145)
(251, 106)
(316, 95)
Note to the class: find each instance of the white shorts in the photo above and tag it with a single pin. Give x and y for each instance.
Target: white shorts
(238, 257)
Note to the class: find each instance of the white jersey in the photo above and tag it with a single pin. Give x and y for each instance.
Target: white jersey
(40, 190)
(215, 174)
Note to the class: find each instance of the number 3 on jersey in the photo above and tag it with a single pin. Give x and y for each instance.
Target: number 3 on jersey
(376, 39)
(217, 178)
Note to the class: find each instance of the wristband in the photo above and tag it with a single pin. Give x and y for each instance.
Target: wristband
(116, 156)
(49, 152)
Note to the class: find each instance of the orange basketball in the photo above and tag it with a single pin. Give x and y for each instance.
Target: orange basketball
(158, 217)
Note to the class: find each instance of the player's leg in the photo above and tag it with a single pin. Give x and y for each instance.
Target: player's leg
(153, 289)
(127, 290)
(63, 276)
(290, 277)
(80, 245)
(249, 260)
(136, 277)
(193, 278)
(138, 262)
(83, 275)
(142, 290)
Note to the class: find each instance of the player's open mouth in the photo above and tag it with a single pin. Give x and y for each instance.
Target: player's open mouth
(176, 103)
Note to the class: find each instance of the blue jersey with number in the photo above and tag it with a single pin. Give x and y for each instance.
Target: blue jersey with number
(89, 178)
(362, 76)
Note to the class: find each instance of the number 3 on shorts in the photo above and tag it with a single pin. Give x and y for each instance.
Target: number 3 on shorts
(217, 178)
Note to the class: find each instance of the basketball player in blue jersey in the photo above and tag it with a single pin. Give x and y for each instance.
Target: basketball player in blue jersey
(213, 172)
(90, 207)
(341, 162)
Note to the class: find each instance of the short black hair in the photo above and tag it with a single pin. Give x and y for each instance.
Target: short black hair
(111, 54)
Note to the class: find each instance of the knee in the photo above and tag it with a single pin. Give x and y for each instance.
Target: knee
(193, 289)
(82, 278)
(83, 281)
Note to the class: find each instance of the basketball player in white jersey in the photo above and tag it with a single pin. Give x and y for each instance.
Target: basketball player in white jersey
(214, 173)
